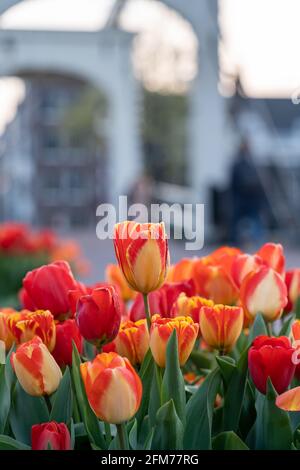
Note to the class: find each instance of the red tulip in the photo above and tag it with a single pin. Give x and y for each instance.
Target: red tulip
(273, 256)
(99, 315)
(271, 357)
(52, 435)
(47, 288)
(292, 280)
(243, 265)
(66, 332)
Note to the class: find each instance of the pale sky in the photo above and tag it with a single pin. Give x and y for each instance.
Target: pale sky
(261, 39)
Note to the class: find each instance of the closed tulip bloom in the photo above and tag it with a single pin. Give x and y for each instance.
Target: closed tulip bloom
(160, 332)
(221, 326)
(292, 280)
(290, 400)
(263, 291)
(115, 277)
(186, 306)
(142, 254)
(99, 315)
(47, 288)
(181, 271)
(132, 341)
(66, 333)
(243, 265)
(52, 435)
(26, 325)
(273, 256)
(5, 332)
(271, 357)
(35, 368)
(113, 388)
(295, 338)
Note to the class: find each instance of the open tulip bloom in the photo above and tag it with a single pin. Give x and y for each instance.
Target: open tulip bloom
(201, 355)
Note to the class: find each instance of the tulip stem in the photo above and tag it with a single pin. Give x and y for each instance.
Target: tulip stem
(48, 403)
(269, 328)
(147, 310)
(107, 433)
(122, 435)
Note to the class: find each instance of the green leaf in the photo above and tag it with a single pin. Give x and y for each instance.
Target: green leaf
(155, 394)
(258, 328)
(89, 418)
(297, 308)
(199, 412)
(4, 398)
(168, 431)
(63, 400)
(25, 412)
(227, 367)
(248, 411)
(173, 382)
(146, 374)
(202, 360)
(228, 441)
(235, 394)
(286, 327)
(8, 443)
(273, 427)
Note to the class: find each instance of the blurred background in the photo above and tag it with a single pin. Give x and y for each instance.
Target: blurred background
(165, 101)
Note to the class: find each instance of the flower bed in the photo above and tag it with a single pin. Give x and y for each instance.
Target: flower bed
(201, 355)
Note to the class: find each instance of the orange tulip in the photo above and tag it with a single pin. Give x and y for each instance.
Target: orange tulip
(181, 271)
(243, 265)
(25, 325)
(292, 280)
(132, 341)
(225, 257)
(263, 291)
(113, 388)
(115, 277)
(5, 332)
(36, 369)
(161, 330)
(189, 306)
(221, 326)
(290, 400)
(273, 256)
(142, 253)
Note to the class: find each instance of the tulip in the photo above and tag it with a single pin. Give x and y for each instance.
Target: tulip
(186, 306)
(273, 256)
(162, 300)
(5, 332)
(161, 330)
(290, 400)
(292, 280)
(263, 291)
(181, 271)
(221, 326)
(295, 338)
(142, 254)
(99, 315)
(52, 435)
(132, 341)
(36, 369)
(66, 333)
(113, 388)
(212, 282)
(271, 357)
(26, 325)
(47, 288)
(243, 265)
(225, 257)
(115, 277)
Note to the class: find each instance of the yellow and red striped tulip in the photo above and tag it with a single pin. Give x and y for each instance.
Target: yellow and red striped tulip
(273, 256)
(243, 265)
(221, 326)
(35, 368)
(160, 332)
(113, 388)
(115, 277)
(5, 332)
(142, 254)
(292, 280)
(290, 400)
(265, 292)
(26, 325)
(132, 341)
(186, 306)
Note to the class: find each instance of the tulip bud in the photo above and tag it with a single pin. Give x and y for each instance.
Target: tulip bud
(292, 280)
(113, 388)
(66, 333)
(36, 369)
(26, 325)
(99, 315)
(160, 332)
(221, 326)
(115, 277)
(186, 306)
(271, 357)
(47, 288)
(263, 291)
(273, 256)
(51, 435)
(243, 265)
(142, 253)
